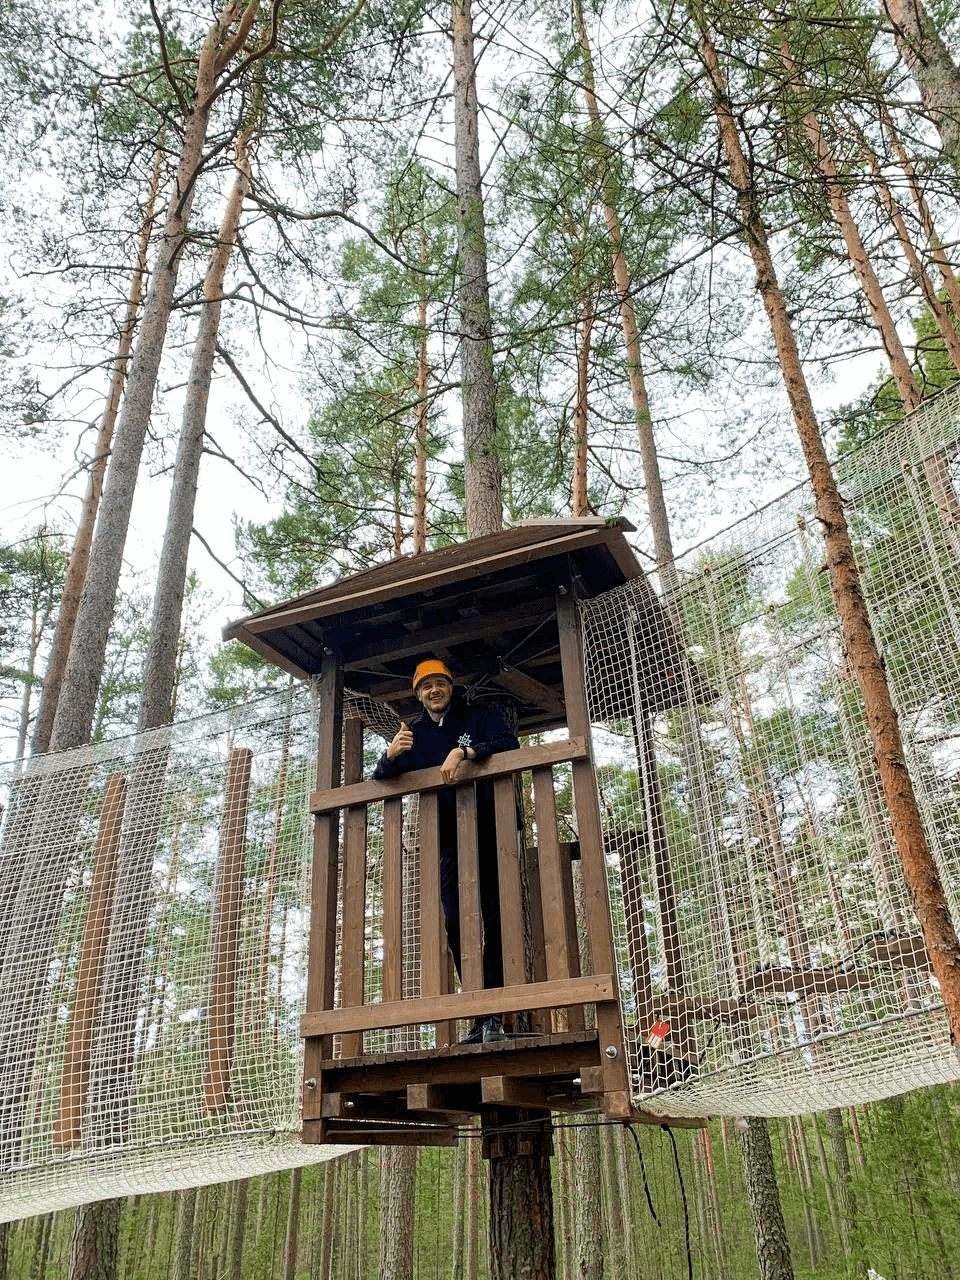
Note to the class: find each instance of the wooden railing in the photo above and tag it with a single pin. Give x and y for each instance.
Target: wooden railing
(544, 976)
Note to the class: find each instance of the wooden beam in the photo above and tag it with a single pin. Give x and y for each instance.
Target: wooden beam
(530, 690)
(75, 1078)
(522, 1091)
(354, 1134)
(222, 1016)
(449, 1100)
(266, 651)
(556, 1055)
(594, 989)
(427, 780)
(321, 955)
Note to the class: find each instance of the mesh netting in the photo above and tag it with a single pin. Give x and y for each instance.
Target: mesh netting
(761, 912)
(154, 898)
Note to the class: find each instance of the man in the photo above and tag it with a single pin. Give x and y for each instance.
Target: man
(449, 731)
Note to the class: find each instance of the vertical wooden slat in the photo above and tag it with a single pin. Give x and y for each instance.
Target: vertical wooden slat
(392, 899)
(511, 891)
(76, 1062)
(556, 888)
(321, 962)
(354, 918)
(226, 925)
(471, 947)
(540, 1020)
(432, 936)
(555, 939)
(595, 890)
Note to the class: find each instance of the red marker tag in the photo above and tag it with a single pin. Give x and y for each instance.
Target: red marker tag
(658, 1033)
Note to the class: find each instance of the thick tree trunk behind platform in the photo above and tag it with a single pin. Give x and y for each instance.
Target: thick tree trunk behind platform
(521, 1197)
(481, 473)
(521, 1192)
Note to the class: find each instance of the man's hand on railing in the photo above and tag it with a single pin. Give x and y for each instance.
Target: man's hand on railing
(402, 741)
(448, 770)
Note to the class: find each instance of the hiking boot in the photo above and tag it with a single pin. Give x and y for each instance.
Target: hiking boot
(475, 1034)
(493, 1029)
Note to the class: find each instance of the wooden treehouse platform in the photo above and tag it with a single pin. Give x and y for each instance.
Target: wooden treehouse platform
(502, 613)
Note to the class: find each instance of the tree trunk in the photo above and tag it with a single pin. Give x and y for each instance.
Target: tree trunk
(95, 1242)
(238, 1221)
(398, 1181)
(763, 1196)
(579, 505)
(80, 555)
(77, 702)
(920, 872)
(521, 1196)
(589, 1210)
(825, 165)
(481, 473)
(932, 67)
(292, 1235)
(934, 242)
(183, 1234)
(945, 327)
(621, 279)
(420, 453)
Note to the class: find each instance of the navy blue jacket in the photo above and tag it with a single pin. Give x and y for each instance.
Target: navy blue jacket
(482, 728)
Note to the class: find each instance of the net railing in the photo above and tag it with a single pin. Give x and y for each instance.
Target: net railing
(154, 899)
(768, 950)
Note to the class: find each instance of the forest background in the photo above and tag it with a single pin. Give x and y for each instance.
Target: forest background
(233, 241)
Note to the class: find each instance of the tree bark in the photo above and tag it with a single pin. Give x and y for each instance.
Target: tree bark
(824, 164)
(95, 1243)
(77, 701)
(589, 1210)
(763, 1196)
(656, 505)
(932, 67)
(398, 1180)
(420, 453)
(579, 504)
(521, 1199)
(945, 327)
(934, 242)
(482, 476)
(920, 872)
(292, 1236)
(80, 555)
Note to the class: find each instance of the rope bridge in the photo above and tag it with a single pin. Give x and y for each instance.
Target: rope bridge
(768, 946)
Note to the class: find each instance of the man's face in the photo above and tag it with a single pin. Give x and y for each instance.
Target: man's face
(434, 694)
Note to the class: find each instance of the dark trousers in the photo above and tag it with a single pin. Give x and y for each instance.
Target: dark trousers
(489, 911)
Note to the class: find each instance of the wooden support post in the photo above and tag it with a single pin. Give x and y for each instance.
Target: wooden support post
(593, 865)
(321, 962)
(75, 1079)
(561, 950)
(222, 1004)
(352, 933)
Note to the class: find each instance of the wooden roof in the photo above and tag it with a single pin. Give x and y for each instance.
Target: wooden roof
(486, 607)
